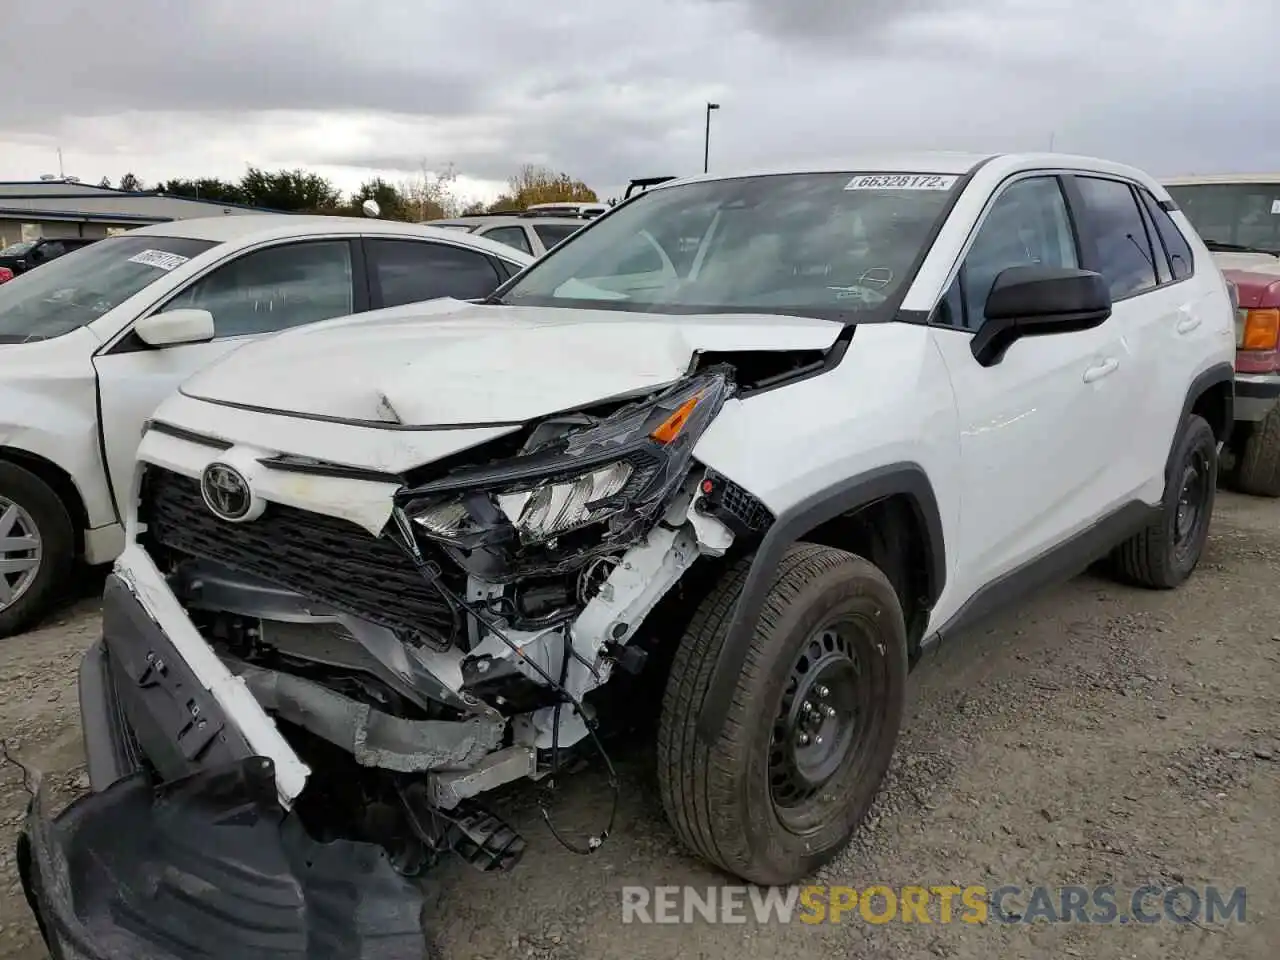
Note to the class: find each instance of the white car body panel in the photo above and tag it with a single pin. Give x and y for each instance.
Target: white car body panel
(543, 361)
(1022, 455)
(47, 409)
(383, 450)
(51, 391)
(363, 502)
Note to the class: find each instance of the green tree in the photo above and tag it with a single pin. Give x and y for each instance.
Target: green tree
(130, 182)
(203, 188)
(294, 191)
(392, 203)
(535, 184)
(105, 182)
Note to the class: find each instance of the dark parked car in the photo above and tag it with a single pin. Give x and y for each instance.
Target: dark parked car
(29, 254)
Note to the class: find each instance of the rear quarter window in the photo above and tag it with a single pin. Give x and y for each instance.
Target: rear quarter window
(1175, 244)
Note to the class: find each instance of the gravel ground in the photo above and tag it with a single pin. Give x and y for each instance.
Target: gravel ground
(1098, 735)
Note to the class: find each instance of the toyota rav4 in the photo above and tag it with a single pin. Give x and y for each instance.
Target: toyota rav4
(757, 442)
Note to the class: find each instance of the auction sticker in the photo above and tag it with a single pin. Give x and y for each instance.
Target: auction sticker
(159, 259)
(902, 181)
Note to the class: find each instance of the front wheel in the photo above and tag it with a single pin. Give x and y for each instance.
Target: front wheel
(813, 722)
(37, 548)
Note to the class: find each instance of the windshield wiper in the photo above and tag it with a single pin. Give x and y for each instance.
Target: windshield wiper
(1238, 248)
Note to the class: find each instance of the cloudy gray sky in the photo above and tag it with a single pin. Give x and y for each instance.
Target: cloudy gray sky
(611, 89)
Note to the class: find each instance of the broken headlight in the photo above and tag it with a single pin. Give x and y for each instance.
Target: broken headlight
(606, 478)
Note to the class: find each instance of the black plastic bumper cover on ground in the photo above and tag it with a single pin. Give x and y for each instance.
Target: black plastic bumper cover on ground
(209, 867)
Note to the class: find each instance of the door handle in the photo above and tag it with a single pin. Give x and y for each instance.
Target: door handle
(1188, 322)
(1105, 368)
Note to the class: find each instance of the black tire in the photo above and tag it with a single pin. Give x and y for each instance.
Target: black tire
(57, 547)
(1165, 553)
(1257, 469)
(722, 799)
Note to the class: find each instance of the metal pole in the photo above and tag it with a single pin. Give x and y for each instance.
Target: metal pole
(706, 142)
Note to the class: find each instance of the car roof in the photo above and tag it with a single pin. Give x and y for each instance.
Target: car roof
(250, 228)
(1192, 181)
(929, 161)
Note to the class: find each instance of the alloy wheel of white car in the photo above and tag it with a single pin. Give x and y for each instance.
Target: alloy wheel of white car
(20, 552)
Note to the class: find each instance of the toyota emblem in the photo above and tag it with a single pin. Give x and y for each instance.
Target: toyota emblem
(226, 492)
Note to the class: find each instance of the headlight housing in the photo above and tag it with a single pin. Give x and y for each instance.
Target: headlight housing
(604, 481)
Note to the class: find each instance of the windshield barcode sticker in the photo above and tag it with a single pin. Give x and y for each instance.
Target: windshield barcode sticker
(159, 259)
(902, 181)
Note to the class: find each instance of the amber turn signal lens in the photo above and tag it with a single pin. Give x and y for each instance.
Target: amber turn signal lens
(1261, 330)
(671, 427)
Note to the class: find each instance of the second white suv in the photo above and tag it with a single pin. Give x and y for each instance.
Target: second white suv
(531, 232)
(733, 459)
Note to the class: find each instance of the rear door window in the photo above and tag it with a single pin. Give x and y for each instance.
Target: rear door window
(410, 271)
(511, 236)
(1123, 249)
(1175, 244)
(552, 233)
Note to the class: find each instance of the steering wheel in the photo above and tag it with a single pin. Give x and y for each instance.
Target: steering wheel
(877, 278)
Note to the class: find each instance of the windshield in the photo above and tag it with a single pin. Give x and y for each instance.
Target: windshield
(76, 289)
(1238, 214)
(17, 249)
(830, 245)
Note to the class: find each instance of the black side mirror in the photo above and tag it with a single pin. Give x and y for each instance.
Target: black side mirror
(1032, 301)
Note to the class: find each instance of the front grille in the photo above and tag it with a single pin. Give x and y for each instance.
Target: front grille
(324, 558)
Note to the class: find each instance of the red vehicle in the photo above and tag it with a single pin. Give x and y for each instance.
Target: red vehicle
(1254, 464)
(1239, 218)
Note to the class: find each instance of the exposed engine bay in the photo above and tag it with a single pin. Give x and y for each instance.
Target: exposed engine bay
(458, 650)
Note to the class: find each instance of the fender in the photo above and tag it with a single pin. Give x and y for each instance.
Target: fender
(1205, 381)
(791, 525)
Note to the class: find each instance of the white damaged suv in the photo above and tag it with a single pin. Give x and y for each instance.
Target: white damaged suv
(732, 458)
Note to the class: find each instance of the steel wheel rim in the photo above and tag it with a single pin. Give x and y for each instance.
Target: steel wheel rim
(822, 720)
(21, 552)
(1189, 514)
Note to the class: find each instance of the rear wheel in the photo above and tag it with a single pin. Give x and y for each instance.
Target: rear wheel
(1257, 470)
(36, 548)
(812, 726)
(1168, 550)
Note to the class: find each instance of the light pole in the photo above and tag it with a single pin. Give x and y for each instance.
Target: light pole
(706, 142)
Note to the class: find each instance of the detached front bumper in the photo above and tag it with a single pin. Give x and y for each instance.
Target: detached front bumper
(1256, 395)
(193, 853)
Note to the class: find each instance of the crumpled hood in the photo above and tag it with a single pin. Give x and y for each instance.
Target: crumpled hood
(447, 363)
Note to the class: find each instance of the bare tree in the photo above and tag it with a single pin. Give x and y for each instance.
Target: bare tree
(431, 194)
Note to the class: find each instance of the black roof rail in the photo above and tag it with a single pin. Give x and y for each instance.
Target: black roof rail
(644, 183)
(562, 214)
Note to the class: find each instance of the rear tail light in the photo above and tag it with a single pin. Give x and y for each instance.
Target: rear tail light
(1261, 329)
(5, 274)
